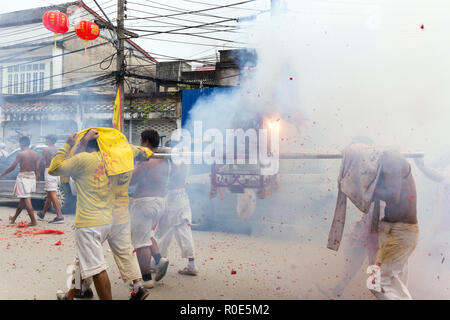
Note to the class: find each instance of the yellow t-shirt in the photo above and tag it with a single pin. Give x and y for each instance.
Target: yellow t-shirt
(95, 196)
(120, 184)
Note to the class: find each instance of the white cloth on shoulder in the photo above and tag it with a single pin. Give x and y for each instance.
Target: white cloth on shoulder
(358, 178)
(25, 184)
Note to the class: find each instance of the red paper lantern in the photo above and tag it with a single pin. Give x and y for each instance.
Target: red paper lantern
(87, 30)
(56, 21)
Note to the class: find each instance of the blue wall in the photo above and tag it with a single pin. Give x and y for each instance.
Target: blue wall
(190, 96)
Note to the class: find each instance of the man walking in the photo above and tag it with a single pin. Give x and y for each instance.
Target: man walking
(26, 179)
(51, 182)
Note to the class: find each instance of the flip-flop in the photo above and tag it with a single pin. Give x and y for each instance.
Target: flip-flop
(188, 272)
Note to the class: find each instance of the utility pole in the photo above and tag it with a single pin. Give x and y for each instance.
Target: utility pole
(120, 50)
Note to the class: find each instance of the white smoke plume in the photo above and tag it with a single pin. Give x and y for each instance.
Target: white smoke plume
(332, 71)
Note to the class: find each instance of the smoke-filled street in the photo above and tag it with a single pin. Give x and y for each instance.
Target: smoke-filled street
(232, 266)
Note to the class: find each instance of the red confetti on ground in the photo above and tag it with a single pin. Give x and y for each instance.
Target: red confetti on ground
(22, 225)
(233, 271)
(422, 27)
(44, 232)
(58, 243)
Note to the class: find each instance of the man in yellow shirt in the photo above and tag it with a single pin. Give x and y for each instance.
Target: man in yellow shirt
(93, 217)
(119, 239)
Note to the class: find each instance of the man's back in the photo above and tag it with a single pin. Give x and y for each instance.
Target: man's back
(28, 160)
(397, 180)
(48, 154)
(95, 198)
(152, 178)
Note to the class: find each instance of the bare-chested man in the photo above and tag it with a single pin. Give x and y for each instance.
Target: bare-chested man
(399, 232)
(51, 182)
(149, 204)
(177, 221)
(26, 179)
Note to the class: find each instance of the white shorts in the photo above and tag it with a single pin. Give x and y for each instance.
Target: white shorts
(89, 242)
(51, 182)
(25, 184)
(145, 215)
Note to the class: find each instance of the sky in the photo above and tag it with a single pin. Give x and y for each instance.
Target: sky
(165, 46)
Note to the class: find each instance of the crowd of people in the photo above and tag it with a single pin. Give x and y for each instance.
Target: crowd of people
(159, 209)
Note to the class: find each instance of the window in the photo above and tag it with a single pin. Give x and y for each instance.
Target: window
(35, 82)
(10, 83)
(22, 82)
(41, 81)
(28, 82)
(16, 83)
(26, 78)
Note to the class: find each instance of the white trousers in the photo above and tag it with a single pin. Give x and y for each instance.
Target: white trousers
(177, 222)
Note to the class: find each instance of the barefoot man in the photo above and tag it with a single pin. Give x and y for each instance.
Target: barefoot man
(149, 205)
(398, 232)
(51, 182)
(26, 179)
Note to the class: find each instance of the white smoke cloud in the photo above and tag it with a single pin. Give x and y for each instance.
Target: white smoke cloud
(334, 71)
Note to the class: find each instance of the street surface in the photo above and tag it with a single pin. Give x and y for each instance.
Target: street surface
(231, 267)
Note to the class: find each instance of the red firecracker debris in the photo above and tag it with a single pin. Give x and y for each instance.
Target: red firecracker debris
(22, 225)
(233, 271)
(48, 231)
(58, 243)
(422, 27)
